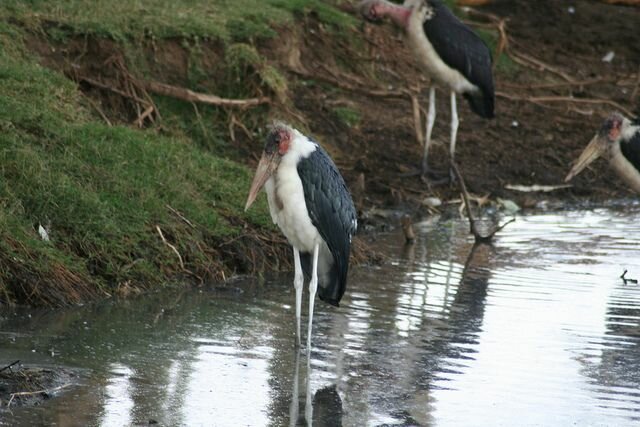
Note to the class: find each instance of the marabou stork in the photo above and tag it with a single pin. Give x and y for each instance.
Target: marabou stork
(449, 51)
(619, 141)
(311, 204)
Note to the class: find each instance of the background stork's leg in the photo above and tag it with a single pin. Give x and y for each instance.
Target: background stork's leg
(431, 119)
(298, 280)
(454, 131)
(313, 287)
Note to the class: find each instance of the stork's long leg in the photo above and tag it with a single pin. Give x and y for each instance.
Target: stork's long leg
(313, 287)
(298, 280)
(431, 119)
(454, 129)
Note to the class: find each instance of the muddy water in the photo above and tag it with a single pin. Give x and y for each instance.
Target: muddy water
(537, 330)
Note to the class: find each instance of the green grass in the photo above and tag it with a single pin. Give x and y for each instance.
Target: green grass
(348, 116)
(220, 19)
(101, 191)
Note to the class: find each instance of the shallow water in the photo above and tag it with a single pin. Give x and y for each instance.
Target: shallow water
(537, 330)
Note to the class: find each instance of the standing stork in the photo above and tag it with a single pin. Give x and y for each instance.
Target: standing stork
(311, 204)
(619, 140)
(449, 51)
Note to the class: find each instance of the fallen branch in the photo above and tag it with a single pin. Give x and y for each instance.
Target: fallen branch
(203, 98)
(31, 393)
(530, 61)
(9, 365)
(563, 84)
(567, 99)
(479, 238)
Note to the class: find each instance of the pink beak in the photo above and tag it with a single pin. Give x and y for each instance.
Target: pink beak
(267, 165)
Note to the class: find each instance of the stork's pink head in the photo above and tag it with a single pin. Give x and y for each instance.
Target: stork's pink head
(608, 135)
(371, 10)
(279, 139)
(612, 127)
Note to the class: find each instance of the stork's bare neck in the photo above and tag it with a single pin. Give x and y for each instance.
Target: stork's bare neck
(376, 10)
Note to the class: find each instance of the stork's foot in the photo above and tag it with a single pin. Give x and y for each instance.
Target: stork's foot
(430, 177)
(452, 176)
(433, 178)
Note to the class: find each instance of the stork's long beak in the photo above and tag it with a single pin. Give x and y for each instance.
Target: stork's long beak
(268, 163)
(595, 149)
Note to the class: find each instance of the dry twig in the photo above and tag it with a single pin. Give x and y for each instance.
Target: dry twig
(179, 215)
(173, 248)
(31, 393)
(417, 121)
(99, 110)
(568, 99)
(10, 365)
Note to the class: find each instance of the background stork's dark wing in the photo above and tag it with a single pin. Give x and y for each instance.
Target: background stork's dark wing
(332, 212)
(463, 50)
(631, 150)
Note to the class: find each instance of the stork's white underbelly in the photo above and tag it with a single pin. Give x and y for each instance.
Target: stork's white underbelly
(430, 61)
(289, 210)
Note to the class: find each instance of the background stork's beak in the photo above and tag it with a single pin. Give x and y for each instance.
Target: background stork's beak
(268, 163)
(595, 149)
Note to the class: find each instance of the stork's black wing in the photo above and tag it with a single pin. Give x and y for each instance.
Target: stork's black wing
(332, 212)
(631, 150)
(463, 50)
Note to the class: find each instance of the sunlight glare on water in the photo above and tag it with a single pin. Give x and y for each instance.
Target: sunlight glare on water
(538, 329)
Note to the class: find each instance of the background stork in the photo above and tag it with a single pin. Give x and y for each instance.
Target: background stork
(618, 140)
(309, 201)
(449, 51)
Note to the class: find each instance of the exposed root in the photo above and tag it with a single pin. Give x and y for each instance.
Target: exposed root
(204, 98)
